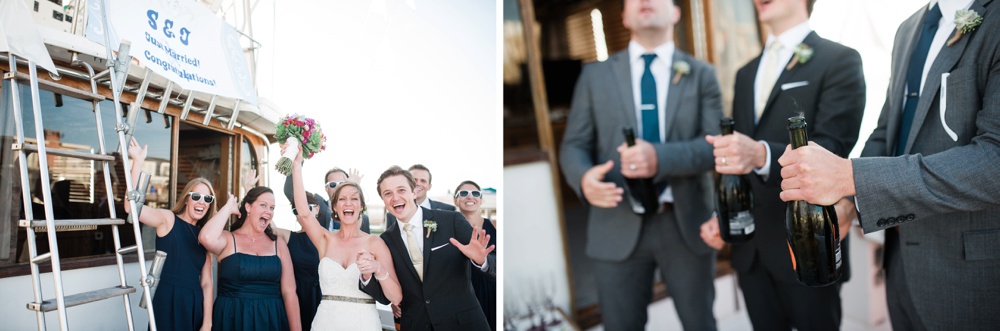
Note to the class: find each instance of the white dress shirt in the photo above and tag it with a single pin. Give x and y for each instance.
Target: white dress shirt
(426, 203)
(788, 40)
(946, 28)
(661, 68)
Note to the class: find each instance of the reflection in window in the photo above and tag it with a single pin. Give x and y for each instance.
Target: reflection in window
(78, 187)
(248, 162)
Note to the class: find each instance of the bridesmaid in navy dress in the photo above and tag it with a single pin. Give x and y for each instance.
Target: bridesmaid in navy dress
(256, 285)
(183, 298)
(469, 200)
(305, 263)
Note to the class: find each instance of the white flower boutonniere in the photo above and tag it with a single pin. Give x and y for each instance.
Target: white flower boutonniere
(431, 226)
(681, 68)
(801, 54)
(966, 20)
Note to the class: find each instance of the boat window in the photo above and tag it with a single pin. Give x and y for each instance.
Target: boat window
(78, 187)
(208, 154)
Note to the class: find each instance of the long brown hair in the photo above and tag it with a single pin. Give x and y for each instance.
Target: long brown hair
(182, 199)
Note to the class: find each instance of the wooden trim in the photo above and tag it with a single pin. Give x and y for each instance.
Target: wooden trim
(70, 264)
(522, 156)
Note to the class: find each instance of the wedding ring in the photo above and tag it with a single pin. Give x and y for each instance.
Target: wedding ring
(631, 167)
(723, 160)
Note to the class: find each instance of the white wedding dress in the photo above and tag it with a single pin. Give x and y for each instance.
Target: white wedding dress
(338, 314)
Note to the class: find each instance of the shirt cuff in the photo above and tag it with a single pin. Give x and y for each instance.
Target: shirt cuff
(765, 170)
(365, 282)
(484, 267)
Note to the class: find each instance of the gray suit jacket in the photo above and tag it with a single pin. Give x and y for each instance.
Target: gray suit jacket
(943, 193)
(603, 104)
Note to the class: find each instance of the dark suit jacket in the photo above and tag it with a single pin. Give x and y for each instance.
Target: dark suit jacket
(391, 220)
(943, 193)
(603, 104)
(833, 101)
(445, 299)
(325, 213)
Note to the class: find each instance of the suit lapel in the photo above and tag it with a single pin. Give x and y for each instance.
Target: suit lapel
(786, 76)
(622, 79)
(428, 240)
(743, 105)
(674, 93)
(944, 62)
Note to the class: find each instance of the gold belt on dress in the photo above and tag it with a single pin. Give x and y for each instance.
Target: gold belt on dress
(349, 299)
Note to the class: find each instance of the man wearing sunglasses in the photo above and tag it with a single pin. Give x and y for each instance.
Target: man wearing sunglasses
(333, 178)
(422, 176)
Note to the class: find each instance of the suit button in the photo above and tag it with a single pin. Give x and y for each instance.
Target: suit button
(910, 217)
(427, 302)
(880, 223)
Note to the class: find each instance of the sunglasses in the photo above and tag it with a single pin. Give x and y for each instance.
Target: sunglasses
(333, 184)
(311, 208)
(195, 196)
(465, 193)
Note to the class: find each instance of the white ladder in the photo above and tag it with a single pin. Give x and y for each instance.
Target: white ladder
(49, 223)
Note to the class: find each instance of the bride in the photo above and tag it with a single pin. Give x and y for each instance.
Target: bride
(346, 255)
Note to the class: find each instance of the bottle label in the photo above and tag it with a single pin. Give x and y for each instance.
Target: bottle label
(837, 256)
(741, 223)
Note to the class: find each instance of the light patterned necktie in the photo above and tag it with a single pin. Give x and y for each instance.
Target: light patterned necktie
(768, 78)
(415, 255)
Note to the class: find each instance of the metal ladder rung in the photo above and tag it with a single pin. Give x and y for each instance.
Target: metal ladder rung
(82, 298)
(42, 258)
(66, 152)
(61, 89)
(127, 250)
(71, 224)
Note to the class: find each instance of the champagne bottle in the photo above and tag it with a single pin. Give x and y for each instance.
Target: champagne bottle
(812, 230)
(641, 191)
(734, 201)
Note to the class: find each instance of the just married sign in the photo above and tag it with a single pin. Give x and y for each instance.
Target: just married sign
(180, 40)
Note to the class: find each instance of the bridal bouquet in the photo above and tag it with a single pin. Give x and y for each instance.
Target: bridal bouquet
(294, 130)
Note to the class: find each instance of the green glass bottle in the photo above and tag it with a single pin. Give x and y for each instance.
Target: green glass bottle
(812, 231)
(734, 201)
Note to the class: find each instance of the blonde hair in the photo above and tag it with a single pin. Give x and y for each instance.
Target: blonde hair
(181, 204)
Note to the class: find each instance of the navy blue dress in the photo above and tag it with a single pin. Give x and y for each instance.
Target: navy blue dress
(486, 288)
(305, 263)
(179, 303)
(249, 293)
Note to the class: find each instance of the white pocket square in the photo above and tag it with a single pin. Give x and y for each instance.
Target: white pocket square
(439, 247)
(788, 86)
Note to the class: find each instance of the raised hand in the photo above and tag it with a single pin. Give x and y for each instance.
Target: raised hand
(251, 179)
(232, 206)
(476, 250)
(596, 191)
(355, 176)
(135, 152)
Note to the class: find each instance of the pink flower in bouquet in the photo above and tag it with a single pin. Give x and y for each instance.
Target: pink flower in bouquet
(296, 130)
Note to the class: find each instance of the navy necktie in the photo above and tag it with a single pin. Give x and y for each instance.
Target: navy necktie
(914, 75)
(650, 111)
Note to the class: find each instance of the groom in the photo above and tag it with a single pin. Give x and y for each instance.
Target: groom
(431, 264)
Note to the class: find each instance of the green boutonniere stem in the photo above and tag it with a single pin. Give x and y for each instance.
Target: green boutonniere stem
(954, 39)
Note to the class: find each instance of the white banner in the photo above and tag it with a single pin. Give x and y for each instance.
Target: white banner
(19, 36)
(180, 40)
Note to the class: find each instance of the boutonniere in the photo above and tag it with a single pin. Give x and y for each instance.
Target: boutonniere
(801, 54)
(966, 20)
(681, 68)
(431, 226)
